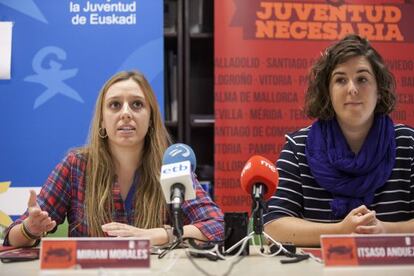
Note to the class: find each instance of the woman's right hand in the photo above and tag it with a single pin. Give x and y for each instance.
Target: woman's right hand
(157, 236)
(357, 217)
(38, 221)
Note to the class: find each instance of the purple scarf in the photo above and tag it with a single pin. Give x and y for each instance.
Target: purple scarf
(352, 179)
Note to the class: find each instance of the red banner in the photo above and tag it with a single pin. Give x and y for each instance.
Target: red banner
(263, 53)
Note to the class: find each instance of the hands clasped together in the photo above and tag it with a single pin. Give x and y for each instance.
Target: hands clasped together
(361, 220)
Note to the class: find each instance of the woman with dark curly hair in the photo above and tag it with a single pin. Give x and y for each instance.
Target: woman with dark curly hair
(351, 171)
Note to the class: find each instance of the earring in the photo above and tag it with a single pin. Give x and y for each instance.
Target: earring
(102, 133)
(150, 127)
(150, 130)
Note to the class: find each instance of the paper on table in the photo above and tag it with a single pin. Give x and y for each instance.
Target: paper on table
(5, 49)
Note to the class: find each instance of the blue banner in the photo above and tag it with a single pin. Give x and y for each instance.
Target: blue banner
(62, 53)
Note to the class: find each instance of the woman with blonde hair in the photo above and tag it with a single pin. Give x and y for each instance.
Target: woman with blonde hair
(111, 186)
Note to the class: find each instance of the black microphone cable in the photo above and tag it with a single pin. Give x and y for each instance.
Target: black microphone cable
(204, 272)
(173, 246)
(211, 251)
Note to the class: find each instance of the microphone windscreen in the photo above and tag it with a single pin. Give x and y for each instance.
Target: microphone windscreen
(259, 170)
(178, 153)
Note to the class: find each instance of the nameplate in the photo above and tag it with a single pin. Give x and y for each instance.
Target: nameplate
(80, 253)
(355, 250)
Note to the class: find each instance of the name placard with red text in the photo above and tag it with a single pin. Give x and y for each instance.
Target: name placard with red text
(79, 253)
(355, 250)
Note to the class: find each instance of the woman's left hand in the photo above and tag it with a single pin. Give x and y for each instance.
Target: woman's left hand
(157, 236)
(375, 227)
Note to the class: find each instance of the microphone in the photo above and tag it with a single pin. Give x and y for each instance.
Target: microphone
(259, 178)
(176, 180)
(179, 163)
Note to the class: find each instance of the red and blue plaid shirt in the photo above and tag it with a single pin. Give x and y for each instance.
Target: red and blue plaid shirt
(63, 195)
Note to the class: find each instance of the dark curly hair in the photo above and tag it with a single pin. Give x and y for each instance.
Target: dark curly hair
(317, 100)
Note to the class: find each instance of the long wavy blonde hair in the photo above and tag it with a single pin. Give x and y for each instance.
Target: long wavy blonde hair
(150, 206)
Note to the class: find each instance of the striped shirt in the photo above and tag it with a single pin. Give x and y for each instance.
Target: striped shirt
(63, 195)
(299, 195)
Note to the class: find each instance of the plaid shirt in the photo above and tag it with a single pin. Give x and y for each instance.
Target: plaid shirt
(63, 195)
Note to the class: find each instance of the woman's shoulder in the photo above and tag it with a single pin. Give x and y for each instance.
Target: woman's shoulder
(76, 156)
(298, 136)
(404, 136)
(403, 130)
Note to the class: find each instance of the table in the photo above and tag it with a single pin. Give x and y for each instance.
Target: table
(255, 264)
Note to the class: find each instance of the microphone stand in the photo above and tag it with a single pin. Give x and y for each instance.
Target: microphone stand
(258, 206)
(177, 221)
(177, 198)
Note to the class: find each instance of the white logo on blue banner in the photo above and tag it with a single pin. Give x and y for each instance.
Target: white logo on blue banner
(52, 77)
(62, 53)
